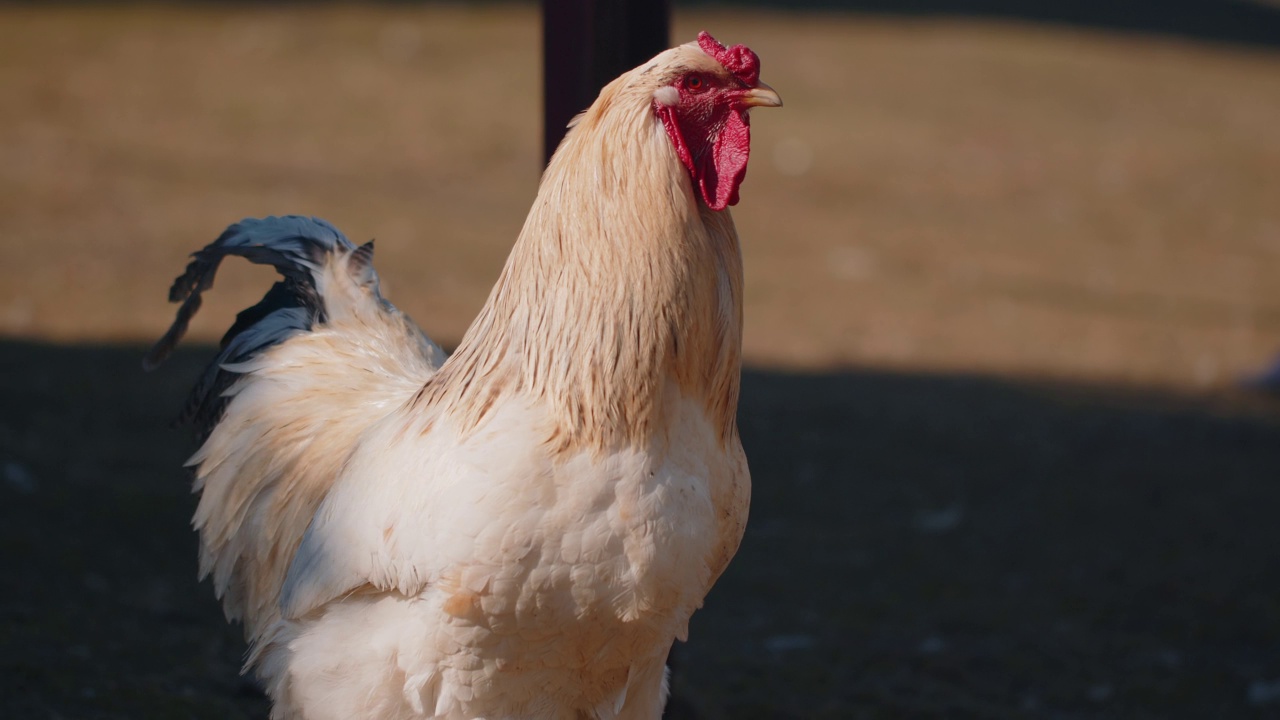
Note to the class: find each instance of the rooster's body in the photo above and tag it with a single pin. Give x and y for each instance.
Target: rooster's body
(520, 531)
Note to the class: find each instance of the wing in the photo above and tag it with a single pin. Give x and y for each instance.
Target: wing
(300, 376)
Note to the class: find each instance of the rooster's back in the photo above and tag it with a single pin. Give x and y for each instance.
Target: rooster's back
(299, 377)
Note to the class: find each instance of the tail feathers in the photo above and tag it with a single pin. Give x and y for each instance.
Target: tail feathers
(300, 376)
(297, 247)
(206, 401)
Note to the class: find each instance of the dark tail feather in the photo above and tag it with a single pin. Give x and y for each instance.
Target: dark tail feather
(295, 246)
(276, 318)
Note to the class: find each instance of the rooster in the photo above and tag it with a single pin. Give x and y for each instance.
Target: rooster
(523, 529)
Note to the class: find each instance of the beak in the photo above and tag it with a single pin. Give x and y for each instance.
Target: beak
(761, 96)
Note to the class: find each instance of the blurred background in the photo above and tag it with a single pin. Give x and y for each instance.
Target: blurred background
(1011, 286)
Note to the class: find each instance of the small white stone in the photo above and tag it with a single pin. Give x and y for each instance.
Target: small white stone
(932, 645)
(787, 643)
(19, 479)
(937, 522)
(1262, 692)
(1100, 693)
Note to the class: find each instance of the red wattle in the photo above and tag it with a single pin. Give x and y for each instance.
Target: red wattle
(721, 177)
(716, 171)
(669, 121)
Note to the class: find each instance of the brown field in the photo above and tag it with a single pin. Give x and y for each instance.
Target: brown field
(1002, 282)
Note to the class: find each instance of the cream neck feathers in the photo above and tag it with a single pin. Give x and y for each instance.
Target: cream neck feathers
(620, 286)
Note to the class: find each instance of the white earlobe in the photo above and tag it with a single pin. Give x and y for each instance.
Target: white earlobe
(667, 96)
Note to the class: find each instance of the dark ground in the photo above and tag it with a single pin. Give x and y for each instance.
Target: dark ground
(920, 546)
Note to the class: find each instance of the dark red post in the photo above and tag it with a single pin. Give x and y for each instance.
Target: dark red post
(587, 43)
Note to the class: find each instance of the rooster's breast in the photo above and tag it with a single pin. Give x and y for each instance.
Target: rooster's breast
(629, 536)
(554, 584)
(603, 559)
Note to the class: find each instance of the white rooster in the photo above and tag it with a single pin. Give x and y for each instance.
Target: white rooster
(521, 530)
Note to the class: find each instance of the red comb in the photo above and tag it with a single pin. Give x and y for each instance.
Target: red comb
(738, 59)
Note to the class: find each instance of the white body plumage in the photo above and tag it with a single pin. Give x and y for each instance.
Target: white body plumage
(524, 586)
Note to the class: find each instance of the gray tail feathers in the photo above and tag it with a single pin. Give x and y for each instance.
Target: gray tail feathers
(296, 246)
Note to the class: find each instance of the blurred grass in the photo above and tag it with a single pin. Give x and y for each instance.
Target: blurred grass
(936, 194)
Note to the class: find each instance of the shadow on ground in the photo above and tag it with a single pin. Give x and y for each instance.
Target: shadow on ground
(920, 546)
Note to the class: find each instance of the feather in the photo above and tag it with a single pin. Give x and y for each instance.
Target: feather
(523, 529)
(290, 243)
(268, 425)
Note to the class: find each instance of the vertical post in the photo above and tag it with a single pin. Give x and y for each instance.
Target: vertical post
(587, 43)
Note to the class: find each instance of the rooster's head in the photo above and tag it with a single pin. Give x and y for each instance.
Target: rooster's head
(704, 101)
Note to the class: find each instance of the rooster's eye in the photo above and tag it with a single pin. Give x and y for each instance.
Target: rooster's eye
(695, 83)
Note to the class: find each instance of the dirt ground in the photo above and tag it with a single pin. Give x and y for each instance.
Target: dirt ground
(1002, 283)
